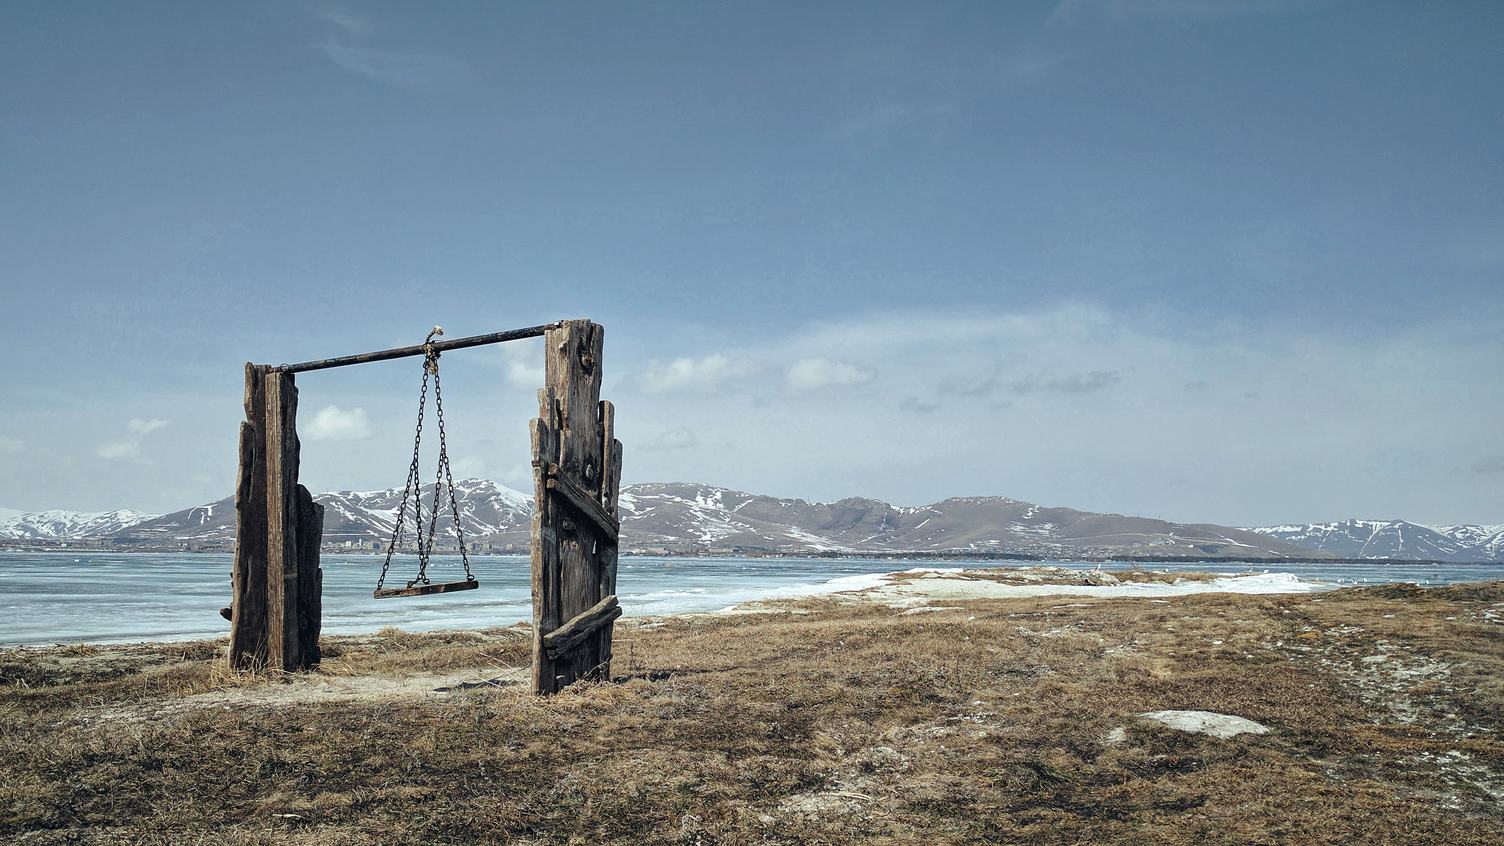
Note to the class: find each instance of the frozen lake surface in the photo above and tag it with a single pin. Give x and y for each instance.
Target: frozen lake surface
(71, 597)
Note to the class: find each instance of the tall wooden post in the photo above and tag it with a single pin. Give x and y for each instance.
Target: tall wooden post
(577, 472)
(274, 615)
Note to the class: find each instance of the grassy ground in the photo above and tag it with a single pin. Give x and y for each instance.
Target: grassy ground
(824, 721)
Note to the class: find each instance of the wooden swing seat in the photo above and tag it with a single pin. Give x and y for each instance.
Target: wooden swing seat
(425, 590)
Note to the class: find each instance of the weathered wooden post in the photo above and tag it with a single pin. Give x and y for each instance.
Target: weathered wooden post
(274, 615)
(576, 471)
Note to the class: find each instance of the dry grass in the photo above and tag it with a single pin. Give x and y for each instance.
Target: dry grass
(843, 723)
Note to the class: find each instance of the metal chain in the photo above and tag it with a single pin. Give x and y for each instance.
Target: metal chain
(407, 489)
(444, 467)
(413, 487)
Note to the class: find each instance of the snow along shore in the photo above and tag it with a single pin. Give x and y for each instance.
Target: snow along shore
(922, 584)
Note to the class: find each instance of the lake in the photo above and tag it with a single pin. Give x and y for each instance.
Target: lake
(54, 597)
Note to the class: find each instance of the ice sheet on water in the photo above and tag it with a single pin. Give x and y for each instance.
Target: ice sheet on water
(174, 596)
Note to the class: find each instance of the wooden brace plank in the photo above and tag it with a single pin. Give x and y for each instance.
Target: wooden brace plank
(574, 632)
(580, 499)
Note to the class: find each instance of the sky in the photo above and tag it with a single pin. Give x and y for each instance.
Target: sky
(1234, 262)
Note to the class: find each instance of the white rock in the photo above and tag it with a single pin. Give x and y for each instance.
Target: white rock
(1206, 722)
(1116, 736)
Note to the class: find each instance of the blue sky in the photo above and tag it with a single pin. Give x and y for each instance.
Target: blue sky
(1239, 262)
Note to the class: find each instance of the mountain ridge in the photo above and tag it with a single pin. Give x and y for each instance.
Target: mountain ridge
(694, 518)
(1357, 538)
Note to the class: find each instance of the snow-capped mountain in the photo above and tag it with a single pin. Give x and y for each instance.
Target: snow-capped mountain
(685, 517)
(352, 518)
(1395, 539)
(58, 524)
(678, 516)
(1487, 539)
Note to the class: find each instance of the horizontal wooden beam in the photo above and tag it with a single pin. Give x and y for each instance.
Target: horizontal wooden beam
(573, 633)
(583, 501)
(418, 349)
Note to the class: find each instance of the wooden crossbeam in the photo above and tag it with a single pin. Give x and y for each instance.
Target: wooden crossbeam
(566, 637)
(418, 349)
(583, 501)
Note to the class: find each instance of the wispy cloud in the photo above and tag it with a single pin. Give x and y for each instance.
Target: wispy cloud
(129, 449)
(470, 467)
(350, 47)
(408, 70)
(1071, 383)
(705, 374)
(11, 445)
(524, 365)
(146, 427)
(119, 450)
(347, 22)
(672, 439)
(812, 374)
(333, 423)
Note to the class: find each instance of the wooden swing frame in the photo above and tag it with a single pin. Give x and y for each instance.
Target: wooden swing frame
(276, 608)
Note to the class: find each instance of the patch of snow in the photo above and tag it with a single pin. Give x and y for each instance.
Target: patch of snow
(953, 584)
(1206, 722)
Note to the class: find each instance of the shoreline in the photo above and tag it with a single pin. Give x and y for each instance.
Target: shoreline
(1045, 580)
(896, 588)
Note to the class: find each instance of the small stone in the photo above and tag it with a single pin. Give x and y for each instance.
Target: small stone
(1206, 722)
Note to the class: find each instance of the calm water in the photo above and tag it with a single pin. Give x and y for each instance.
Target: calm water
(66, 597)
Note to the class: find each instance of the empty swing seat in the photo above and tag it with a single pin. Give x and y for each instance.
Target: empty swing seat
(421, 586)
(425, 590)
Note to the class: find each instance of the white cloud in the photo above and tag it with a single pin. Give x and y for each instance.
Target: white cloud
(677, 438)
(332, 423)
(146, 427)
(693, 374)
(350, 24)
(413, 71)
(1083, 406)
(524, 364)
(119, 450)
(9, 444)
(1072, 383)
(130, 448)
(469, 467)
(518, 477)
(812, 374)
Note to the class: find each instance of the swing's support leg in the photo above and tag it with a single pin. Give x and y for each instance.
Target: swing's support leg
(576, 475)
(275, 610)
